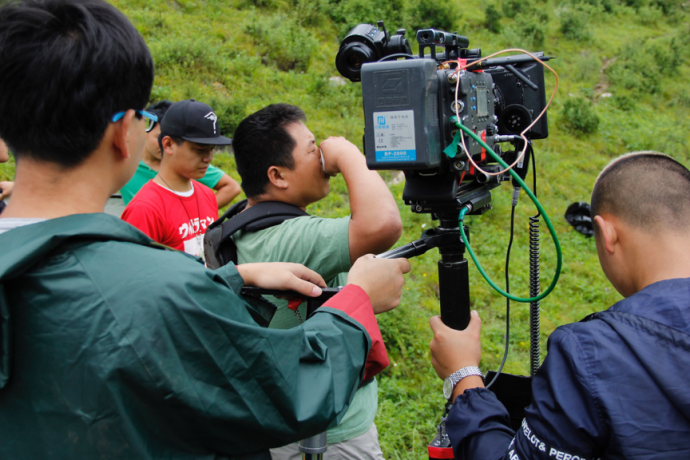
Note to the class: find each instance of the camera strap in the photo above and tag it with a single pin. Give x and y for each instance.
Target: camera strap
(219, 247)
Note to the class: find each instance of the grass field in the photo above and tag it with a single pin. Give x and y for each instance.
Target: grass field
(624, 68)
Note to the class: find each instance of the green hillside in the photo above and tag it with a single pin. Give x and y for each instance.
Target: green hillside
(623, 65)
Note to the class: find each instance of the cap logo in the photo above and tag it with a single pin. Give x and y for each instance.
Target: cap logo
(212, 116)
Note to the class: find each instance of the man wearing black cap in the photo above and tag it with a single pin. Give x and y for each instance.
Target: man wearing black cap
(225, 187)
(173, 208)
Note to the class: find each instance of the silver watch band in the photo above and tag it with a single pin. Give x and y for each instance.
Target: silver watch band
(454, 378)
(465, 372)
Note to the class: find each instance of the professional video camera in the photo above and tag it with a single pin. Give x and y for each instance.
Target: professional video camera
(410, 105)
(440, 118)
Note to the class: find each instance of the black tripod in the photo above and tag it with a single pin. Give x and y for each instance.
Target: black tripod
(454, 288)
(453, 273)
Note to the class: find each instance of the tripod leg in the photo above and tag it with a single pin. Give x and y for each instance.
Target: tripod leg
(313, 448)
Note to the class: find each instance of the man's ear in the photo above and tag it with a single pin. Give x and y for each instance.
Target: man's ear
(607, 233)
(276, 176)
(168, 146)
(121, 134)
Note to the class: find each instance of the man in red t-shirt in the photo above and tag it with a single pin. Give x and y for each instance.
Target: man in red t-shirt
(172, 208)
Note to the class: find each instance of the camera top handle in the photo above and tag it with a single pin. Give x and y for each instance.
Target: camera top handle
(455, 45)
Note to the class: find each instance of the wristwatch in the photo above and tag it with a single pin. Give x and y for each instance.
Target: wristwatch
(454, 378)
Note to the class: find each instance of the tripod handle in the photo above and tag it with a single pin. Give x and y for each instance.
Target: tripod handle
(454, 288)
(412, 249)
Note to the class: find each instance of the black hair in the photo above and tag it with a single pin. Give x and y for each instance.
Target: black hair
(647, 190)
(66, 67)
(261, 141)
(159, 109)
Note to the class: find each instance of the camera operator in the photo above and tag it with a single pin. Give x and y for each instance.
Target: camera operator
(112, 346)
(279, 160)
(225, 186)
(615, 384)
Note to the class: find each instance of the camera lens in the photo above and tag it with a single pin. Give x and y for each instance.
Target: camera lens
(354, 61)
(350, 59)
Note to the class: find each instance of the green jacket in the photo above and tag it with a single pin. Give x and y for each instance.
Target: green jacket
(113, 348)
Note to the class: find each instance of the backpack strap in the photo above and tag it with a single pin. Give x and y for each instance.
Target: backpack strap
(218, 245)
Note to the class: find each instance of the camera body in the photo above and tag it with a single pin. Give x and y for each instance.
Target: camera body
(410, 105)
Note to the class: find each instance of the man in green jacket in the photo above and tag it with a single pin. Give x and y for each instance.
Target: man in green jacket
(112, 346)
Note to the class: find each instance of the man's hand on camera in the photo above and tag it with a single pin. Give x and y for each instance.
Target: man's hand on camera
(381, 279)
(6, 188)
(283, 276)
(336, 150)
(451, 350)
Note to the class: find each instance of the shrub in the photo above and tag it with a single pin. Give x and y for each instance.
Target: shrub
(682, 99)
(587, 68)
(634, 3)
(283, 42)
(532, 32)
(347, 14)
(512, 8)
(605, 5)
(439, 14)
(574, 26)
(640, 66)
(184, 53)
(492, 19)
(666, 6)
(230, 113)
(623, 102)
(579, 115)
(258, 3)
(310, 12)
(649, 15)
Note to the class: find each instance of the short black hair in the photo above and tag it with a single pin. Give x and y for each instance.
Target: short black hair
(261, 141)
(159, 108)
(66, 67)
(648, 190)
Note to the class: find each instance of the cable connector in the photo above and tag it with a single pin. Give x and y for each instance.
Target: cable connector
(465, 209)
(516, 195)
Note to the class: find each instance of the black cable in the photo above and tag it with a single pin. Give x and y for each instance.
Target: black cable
(534, 307)
(510, 244)
(396, 56)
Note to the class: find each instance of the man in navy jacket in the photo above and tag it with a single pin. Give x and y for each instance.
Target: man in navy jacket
(614, 385)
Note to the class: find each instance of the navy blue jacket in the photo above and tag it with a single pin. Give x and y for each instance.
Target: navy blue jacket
(614, 387)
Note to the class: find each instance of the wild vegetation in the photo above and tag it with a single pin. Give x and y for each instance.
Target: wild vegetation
(624, 67)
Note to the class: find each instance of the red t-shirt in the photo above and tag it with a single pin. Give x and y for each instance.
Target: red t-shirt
(168, 218)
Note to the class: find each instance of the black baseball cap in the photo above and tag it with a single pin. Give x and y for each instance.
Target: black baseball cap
(193, 121)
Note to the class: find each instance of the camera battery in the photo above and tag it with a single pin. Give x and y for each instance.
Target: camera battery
(401, 126)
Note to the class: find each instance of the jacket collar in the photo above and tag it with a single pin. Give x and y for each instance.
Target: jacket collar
(25, 246)
(666, 302)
